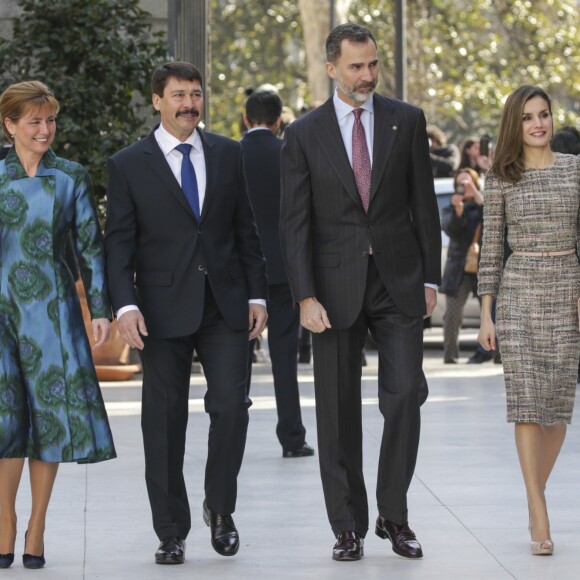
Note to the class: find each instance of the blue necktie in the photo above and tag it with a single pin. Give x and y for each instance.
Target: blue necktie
(189, 179)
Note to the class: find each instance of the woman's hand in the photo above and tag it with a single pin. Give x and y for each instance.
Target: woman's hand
(486, 336)
(101, 331)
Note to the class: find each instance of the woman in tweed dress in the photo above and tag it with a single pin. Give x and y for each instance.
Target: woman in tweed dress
(535, 193)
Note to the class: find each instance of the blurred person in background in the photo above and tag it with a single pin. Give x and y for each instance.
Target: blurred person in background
(461, 220)
(261, 153)
(472, 157)
(444, 156)
(288, 116)
(566, 140)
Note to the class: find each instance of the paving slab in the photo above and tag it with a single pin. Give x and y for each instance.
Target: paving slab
(466, 503)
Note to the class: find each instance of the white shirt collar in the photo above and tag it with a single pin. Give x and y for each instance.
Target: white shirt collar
(258, 129)
(167, 142)
(343, 109)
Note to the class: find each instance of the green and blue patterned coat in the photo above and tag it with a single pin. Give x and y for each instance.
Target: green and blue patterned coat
(51, 406)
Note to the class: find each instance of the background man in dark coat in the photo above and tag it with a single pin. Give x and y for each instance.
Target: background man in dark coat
(262, 164)
(185, 268)
(361, 240)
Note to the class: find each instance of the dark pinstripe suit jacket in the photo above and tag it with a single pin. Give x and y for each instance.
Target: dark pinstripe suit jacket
(325, 232)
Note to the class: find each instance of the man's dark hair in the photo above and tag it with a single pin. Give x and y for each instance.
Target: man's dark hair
(263, 108)
(352, 33)
(566, 140)
(177, 69)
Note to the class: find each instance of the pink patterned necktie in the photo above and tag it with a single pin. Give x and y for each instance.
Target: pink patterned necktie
(361, 161)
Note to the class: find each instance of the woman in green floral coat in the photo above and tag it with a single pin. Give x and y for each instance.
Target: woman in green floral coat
(51, 408)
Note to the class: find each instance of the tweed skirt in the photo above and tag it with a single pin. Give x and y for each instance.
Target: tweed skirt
(537, 325)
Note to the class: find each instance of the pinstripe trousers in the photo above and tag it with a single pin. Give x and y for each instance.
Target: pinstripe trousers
(402, 389)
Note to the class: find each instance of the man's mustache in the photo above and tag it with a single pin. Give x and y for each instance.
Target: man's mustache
(370, 85)
(193, 112)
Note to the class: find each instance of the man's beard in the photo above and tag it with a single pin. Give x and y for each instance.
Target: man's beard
(351, 92)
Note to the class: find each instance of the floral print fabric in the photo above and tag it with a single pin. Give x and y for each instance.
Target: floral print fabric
(51, 406)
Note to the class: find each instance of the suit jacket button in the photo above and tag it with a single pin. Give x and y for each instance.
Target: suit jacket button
(199, 230)
(201, 268)
(365, 254)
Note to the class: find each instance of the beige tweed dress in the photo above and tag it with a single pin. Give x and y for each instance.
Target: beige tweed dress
(537, 316)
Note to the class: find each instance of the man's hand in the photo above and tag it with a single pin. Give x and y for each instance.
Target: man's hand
(131, 326)
(430, 301)
(258, 319)
(101, 331)
(313, 317)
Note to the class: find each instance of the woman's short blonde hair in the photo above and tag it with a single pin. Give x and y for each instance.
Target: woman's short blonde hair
(21, 98)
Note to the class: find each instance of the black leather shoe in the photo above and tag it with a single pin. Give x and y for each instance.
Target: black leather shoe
(171, 551)
(304, 451)
(479, 357)
(402, 538)
(224, 535)
(348, 547)
(6, 560)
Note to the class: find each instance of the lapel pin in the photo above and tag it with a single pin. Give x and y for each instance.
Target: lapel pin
(394, 127)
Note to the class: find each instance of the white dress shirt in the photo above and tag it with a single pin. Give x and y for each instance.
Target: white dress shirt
(345, 117)
(168, 143)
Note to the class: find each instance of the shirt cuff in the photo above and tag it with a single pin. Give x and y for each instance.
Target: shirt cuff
(433, 286)
(259, 301)
(127, 308)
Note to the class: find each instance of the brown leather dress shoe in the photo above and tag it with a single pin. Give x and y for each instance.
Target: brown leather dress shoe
(224, 535)
(402, 538)
(348, 547)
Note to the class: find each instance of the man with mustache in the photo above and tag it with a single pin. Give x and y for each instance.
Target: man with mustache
(186, 271)
(362, 243)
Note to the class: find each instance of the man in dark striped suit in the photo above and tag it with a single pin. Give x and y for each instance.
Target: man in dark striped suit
(361, 242)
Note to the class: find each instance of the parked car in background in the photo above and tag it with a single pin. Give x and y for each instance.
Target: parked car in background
(444, 191)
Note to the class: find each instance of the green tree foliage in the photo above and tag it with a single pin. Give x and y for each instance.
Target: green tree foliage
(253, 42)
(97, 57)
(464, 58)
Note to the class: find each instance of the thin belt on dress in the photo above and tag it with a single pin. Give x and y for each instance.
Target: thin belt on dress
(545, 254)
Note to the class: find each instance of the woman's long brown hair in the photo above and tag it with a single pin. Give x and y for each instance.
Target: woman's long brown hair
(508, 159)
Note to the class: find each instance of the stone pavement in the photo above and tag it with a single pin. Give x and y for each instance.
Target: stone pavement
(467, 502)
